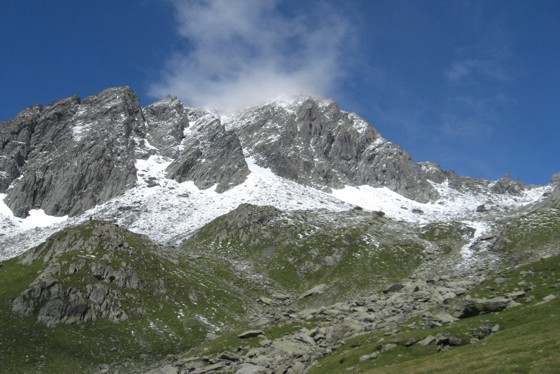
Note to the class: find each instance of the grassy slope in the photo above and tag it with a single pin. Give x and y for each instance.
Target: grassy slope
(297, 252)
(528, 340)
(171, 322)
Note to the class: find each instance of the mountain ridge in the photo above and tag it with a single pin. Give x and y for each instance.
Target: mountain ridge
(288, 238)
(105, 156)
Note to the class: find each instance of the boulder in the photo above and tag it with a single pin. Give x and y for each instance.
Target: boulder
(393, 288)
(317, 290)
(369, 357)
(250, 334)
(473, 307)
(427, 340)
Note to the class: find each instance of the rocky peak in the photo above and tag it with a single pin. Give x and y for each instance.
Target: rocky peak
(81, 153)
(313, 142)
(209, 154)
(507, 185)
(166, 121)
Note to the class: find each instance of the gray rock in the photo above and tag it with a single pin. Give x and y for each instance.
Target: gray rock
(211, 336)
(445, 318)
(393, 288)
(166, 121)
(248, 368)
(16, 144)
(474, 307)
(369, 357)
(281, 297)
(52, 312)
(317, 290)
(250, 334)
(507, 186)
(90, 150)
(167, 369)
(388, 347)
(228, 356)
(450, 340)
(298, 367)
(314, 143)
(427, 340)
(211, 155)
(217, 367)
(547, 299)
(516, 295)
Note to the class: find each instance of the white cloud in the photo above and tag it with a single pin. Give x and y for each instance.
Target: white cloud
(245, 52)
(486, 68)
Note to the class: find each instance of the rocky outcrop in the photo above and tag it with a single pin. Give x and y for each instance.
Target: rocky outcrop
(314, 143)
(15, 144)
(76, 286)
(55, 304)
(209, 155)
(74, 153)
(166, 122)
(507, 185)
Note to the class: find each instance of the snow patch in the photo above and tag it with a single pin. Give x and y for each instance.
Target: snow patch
(36, 218)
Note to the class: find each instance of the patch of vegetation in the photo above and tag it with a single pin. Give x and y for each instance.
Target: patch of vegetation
(176, 303)
(447, 236)
(296, 251)
(527, 340)
(532, 232)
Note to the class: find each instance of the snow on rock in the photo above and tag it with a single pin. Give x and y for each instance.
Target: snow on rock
(452, 204)
(480, 228)
(18, 234)
(169, 212)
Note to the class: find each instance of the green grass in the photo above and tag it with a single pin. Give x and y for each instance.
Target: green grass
(532, 232)
(160, 323)
(527, 341)
(296, 252)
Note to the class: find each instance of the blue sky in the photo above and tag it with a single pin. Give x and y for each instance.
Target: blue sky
(471, 85)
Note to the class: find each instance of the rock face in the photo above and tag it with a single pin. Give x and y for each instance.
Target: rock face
(75, 287)
(209, 155)
(73, 154)
(314, 143)
(166, 122)
(15, 144)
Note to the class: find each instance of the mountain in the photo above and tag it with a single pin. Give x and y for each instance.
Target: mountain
(106, 157)
(287, 237)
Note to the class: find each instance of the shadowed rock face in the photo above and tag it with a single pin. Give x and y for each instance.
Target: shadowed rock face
(314, 143)
(15, 144)
(210, 155)
(99, 285)
(76, 153)
(71, 155)
(166, 121)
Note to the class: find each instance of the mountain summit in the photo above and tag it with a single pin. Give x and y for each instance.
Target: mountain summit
(286, 238)
(73, 154)
(106, 156)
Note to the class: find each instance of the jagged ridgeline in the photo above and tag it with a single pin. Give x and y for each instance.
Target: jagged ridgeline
(73, 154)
(286, 238)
